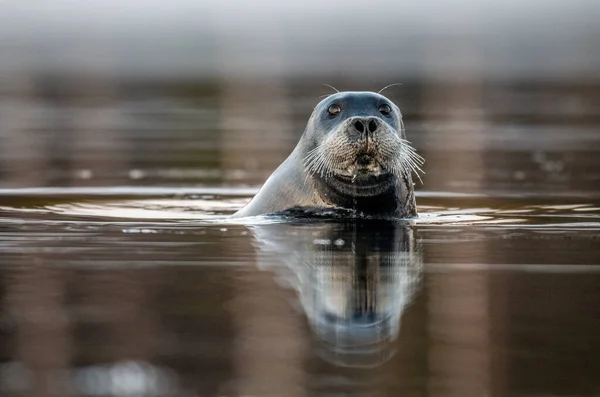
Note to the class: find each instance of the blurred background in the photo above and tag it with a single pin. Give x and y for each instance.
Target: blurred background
(203, 100)
(112, 93)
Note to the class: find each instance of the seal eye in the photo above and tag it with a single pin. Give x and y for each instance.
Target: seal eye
(385, 109)
(334, 110)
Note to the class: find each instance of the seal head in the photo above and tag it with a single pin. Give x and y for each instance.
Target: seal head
(353, 155)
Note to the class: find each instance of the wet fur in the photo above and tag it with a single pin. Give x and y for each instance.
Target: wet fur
(323, 170)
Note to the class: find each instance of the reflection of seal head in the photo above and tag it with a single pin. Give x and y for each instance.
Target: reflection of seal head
(353, 155)
(354, 280)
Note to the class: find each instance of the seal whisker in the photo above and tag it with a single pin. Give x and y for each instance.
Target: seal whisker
(332, 87)
(411, 151)
(414, 158)
(331, 163)
(388, 86)
(320, 164)
(324, 96)
(412, 167)
(313, 160)
(407, 159)
(416, 162)
(310, 156)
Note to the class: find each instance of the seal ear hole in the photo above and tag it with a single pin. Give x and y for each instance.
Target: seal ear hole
(334, 110)
(385, 109)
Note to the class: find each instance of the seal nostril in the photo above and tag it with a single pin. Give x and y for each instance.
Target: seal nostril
(372, 126)
(359, 126)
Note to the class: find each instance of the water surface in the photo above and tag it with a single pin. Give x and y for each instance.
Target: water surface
(120, 274)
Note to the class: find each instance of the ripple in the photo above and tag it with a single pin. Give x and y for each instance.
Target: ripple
(210, 204)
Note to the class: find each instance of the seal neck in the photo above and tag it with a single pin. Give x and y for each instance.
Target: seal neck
(385, 203)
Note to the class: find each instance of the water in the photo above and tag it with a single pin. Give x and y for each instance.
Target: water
(120, 274)
(128, 294)
(149, 290)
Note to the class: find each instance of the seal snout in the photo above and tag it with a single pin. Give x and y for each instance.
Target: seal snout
(363, 136)
(365, 125)
(362, 132)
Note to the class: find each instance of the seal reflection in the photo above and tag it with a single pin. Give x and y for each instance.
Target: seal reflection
(353, 278)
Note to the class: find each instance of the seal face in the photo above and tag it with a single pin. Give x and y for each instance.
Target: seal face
(353, 155)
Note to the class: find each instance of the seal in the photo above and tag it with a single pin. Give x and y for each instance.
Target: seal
(353, 155)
